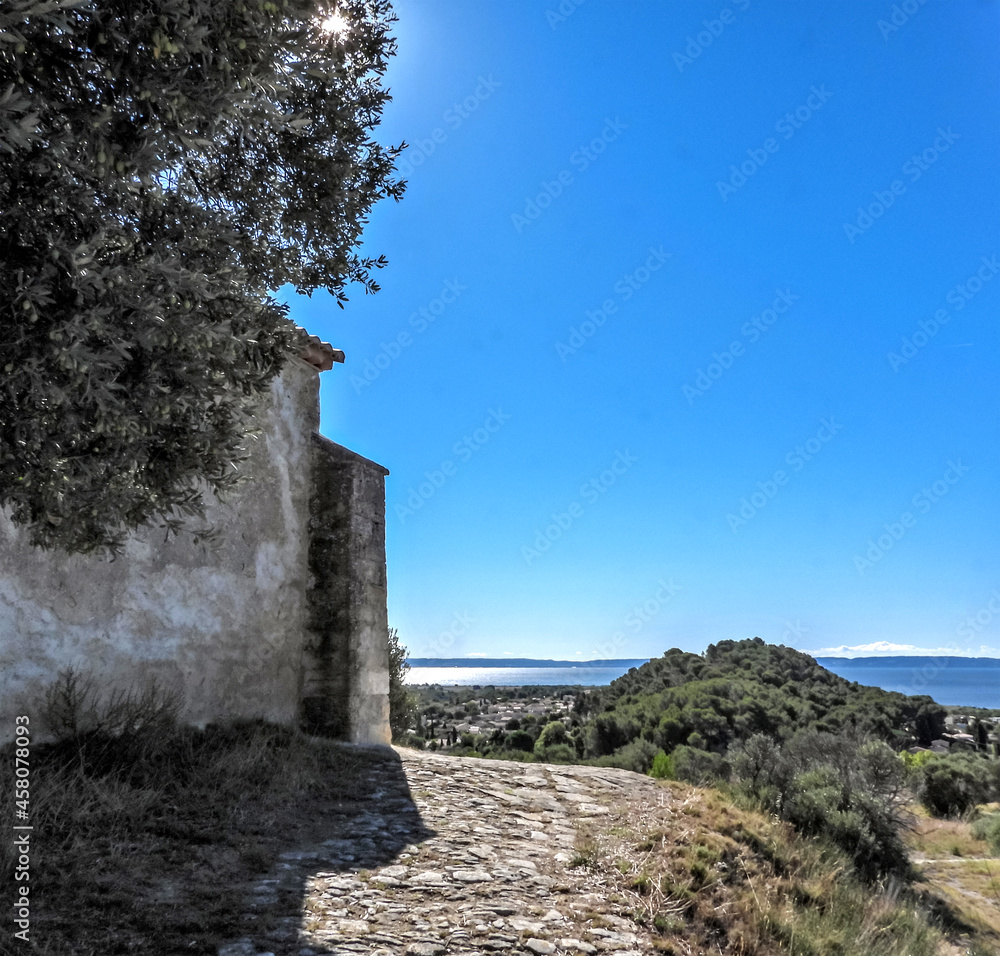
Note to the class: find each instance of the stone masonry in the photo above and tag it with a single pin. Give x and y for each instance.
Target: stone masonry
(283, 619)
(457, 856)
(346, 687)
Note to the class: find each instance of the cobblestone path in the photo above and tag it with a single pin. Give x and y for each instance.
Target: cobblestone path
(456, 856)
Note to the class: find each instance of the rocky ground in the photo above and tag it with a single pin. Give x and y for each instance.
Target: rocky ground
(459, 856)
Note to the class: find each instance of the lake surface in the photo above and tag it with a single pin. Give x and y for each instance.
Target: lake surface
(957, 681)
(515, 676)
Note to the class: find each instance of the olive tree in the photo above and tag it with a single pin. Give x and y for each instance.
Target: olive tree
(166, 166)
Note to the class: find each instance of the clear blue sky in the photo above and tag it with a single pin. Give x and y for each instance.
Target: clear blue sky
(648, 302)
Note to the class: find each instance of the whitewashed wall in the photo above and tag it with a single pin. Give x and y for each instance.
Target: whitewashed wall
(226, 625)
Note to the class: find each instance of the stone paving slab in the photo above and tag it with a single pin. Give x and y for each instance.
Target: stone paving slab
(487, 871)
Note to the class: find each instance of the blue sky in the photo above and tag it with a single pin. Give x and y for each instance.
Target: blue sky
(689, 328)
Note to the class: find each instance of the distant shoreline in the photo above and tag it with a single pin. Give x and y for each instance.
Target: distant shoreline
(519, 662)
(903, 660)
(950, 681)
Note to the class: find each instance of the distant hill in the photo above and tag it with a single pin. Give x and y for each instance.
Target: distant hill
(739, 688)
(918, 662)
(518, 662)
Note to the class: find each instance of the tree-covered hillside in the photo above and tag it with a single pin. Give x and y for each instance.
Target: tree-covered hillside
(739, 688)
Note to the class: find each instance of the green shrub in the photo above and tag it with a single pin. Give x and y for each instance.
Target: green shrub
(520, 740)
(697, 766)
(988, 828)
(848, 811)
(556, 753)
(637, 756)
(402, 704)
(917, 760)
(554, 744)
(955, 784)
(754, 762)
(554, 732)
(663, 766)
(846, 789)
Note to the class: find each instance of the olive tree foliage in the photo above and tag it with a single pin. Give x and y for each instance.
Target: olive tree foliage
(165, 167)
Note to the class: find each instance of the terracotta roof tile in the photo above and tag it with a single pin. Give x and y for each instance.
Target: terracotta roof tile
(320, 354)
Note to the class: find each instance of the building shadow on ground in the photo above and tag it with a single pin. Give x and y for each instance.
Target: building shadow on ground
(217, 859)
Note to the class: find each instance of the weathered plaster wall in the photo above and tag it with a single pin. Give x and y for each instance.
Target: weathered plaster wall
(346, 686)
(228, 625)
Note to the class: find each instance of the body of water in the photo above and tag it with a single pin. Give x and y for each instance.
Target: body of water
(956, 681)
(515, 676)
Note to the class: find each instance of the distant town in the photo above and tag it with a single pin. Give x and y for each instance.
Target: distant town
(447, 714)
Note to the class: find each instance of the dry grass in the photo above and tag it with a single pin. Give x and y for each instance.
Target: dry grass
(148, 844)
(935, 839)
(959, 873)
(156, 853)
(708, 876)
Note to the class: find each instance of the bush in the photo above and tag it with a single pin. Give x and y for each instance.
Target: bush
(988, 828)
(606, 736)
(105, 731)
(520, 740)
(663, 767)
(556, 753)
(955, 784)
(826, 803)
(754, 762)
(697, 766)
(402, 704)
(637, 756)
(554, 732)
(915, 761)
(847, 789)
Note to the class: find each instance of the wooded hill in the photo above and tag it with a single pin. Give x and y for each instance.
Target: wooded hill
(739, 688)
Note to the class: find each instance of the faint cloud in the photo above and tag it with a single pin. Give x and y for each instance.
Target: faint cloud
(477, 654)
(890, 649)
